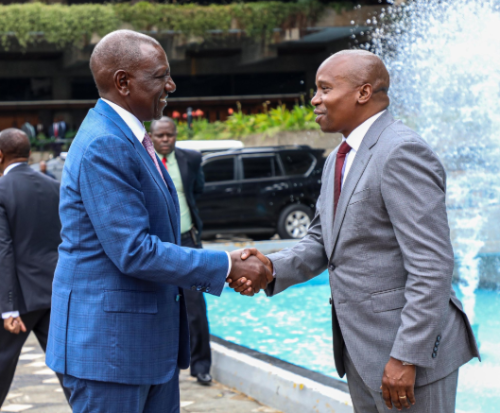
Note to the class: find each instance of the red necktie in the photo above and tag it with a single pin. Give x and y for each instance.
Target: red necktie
(164, 162)
(339, 165)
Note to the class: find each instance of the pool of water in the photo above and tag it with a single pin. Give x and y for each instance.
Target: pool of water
(295, 326)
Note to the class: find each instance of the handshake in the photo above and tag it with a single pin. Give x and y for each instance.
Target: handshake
(251, 271)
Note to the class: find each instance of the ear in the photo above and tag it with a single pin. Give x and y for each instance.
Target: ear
(365, 93)
(121, 80)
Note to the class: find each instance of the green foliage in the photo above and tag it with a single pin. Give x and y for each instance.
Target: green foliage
(240, 125)
(57, 24)
(64, 25)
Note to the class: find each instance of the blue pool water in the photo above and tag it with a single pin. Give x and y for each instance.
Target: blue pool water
(295, 326)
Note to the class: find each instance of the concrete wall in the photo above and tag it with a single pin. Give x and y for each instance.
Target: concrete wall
(278, 384)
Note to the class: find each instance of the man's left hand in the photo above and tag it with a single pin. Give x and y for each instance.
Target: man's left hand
(14, 325)
(398, 384)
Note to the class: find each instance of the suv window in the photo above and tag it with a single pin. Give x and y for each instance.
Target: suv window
(295, 162)
(257, 167)
(219, 170)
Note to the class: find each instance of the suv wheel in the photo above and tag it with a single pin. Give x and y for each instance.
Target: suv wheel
(294, 221)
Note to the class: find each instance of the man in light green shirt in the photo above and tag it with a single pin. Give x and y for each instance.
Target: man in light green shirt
(170, 162)
(184, 167)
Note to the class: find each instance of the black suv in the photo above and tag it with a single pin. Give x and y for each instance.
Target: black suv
(260, 191)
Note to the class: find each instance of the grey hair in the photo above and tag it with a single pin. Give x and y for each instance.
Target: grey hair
(117, 50)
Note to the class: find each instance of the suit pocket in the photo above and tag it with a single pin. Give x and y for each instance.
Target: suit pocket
(123, 301)
(359, 196)
(388, 300)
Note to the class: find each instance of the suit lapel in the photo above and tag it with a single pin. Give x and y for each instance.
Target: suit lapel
(358, 167)
(183, 168)
(168, 190)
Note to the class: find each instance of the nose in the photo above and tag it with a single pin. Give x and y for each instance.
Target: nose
(315, 101)
(170, 87)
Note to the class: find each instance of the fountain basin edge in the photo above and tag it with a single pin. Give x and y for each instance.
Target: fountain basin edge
(277, 383)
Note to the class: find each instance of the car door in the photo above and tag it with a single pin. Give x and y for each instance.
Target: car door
(263, 189)
(219, 203)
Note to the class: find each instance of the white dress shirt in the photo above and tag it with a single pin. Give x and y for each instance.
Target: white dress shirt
(7, 170)
(354, 141)
(139, 131)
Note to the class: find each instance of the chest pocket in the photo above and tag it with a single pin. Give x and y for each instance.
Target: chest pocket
(360, 196)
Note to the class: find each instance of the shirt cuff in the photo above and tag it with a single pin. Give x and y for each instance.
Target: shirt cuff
(230, 264)
(12, 314)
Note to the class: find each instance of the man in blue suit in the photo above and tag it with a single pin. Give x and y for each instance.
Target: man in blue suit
(118, 330)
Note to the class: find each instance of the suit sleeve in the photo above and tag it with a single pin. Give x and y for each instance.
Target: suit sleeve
(8, 292)
(413, 188)
(305, 260)
(113, 198)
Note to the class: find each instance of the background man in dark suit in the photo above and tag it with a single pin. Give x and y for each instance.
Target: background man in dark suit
(29, 237)
(184, 167)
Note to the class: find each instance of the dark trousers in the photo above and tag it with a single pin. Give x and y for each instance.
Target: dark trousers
(11, 345)
(201, 358)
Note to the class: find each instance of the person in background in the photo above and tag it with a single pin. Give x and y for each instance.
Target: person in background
(184, 167)
(43, 170)
(29, 238)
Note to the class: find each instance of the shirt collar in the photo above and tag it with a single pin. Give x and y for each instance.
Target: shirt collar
(132, 122)
(11, 166)
(170, 157)
(356, 137)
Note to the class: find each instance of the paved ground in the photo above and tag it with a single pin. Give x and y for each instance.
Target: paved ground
(36, 390)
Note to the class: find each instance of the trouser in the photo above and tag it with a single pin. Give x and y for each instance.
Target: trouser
(436, 397)
(201, 358)
(11, 345)
(90, 396)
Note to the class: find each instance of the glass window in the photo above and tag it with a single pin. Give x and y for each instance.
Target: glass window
(257, 167)
(219, 170)
(295, 162)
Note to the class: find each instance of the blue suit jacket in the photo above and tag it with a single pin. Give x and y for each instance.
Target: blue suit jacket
(116, 310)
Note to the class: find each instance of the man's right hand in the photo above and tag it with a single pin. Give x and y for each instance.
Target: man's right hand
(14, 325)
(248, 276)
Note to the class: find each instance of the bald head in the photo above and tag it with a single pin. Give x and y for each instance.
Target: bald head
(118, 50)
(14, 143)
(360, 67)
(353, 86)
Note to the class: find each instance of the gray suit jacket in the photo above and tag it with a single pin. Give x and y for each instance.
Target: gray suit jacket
(390, 259)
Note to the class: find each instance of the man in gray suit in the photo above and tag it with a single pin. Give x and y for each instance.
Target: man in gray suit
(381, 229)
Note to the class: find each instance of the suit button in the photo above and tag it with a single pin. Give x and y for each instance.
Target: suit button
(434, 355)
(438, 339)
(330, 300)
(207, 289)
(331, 266)
(177, 297)
(435, 349)
(193, 288)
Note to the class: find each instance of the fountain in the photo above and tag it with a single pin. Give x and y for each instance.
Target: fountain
(444, 61)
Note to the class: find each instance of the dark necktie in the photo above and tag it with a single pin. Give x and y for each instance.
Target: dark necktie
(148, 145)
(339, 166)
